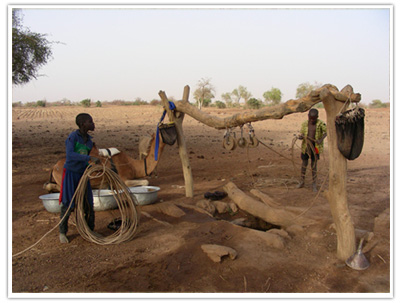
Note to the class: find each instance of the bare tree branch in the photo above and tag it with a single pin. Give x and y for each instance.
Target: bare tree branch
(272, 112)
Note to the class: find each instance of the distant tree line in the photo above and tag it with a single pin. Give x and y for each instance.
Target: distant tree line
(203, 95)
(85, 103)
(205, 92)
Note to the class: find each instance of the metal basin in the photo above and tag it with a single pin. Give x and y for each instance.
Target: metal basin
(50, 202)
(103, 199)
(144, 194)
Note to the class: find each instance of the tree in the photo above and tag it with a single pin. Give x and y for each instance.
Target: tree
(227, 97)
(204, 91)
(220, 104)
(30, 51)
(241, 92)
(86, 102)
(273, 96)
(244, 93)
(41, 103)
(377, 104)
(305, 88)
(254, 103)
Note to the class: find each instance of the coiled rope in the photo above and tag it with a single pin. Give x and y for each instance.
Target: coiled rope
(126, 205)
(130, 214)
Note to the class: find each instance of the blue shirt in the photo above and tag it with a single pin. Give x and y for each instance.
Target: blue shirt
(77, 152)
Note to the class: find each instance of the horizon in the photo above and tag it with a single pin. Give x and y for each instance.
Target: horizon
(103, 57)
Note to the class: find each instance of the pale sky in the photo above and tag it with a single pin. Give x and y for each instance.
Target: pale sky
(124, 53)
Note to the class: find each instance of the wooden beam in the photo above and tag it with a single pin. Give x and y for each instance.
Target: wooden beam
(268, 112)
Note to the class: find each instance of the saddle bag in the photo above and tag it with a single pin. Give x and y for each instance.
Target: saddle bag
(168, 133)
(350, 132)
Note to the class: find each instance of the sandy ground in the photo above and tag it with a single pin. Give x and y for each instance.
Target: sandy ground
(166, 254)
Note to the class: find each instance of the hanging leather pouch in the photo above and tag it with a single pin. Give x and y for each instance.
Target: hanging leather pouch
(350, 132)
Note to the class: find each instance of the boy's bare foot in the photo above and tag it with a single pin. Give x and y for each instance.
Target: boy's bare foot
(63, 238)
(301, 185)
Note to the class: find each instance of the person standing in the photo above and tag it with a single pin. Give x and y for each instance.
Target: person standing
(313, 133)
(78, 146)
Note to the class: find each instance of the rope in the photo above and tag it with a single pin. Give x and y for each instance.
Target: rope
(311, 147)
(313, 200)
(125, 202)
(262, 143)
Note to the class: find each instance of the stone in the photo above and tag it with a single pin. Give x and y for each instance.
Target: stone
(233, 207)
(207, 206)
(279, 232)
(241, 222)
(165, 208)
(216, 252)
(295, 229)
(221, 207)
(270, 239)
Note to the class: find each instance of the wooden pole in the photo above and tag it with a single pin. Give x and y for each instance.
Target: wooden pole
(178, 120)
(337, 194)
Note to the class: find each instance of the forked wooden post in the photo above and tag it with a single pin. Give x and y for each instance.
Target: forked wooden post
(337, 194)
(178, 120)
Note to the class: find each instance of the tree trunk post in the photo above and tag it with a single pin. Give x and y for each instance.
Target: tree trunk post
(337, 194)
(178, 120)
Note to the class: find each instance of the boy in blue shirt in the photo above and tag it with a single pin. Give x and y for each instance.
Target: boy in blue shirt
(78, 146)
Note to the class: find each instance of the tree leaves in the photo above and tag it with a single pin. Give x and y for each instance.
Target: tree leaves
(30, 51)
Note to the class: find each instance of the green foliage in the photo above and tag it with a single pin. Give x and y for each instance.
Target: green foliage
(378, 104)
(319, 105)
(254, 103)
(227, 97)
(85, 102)
(305, 88)
(98, 103)
(30, 51)
(17, 104)
(273, 96)
(139, 101)
(203, 92)
(206, 102)
(220, 104)
(239, 93)
(41, 103)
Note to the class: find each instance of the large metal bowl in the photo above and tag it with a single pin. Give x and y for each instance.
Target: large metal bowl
(144, 194)
(103, 199)
(50, 202)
